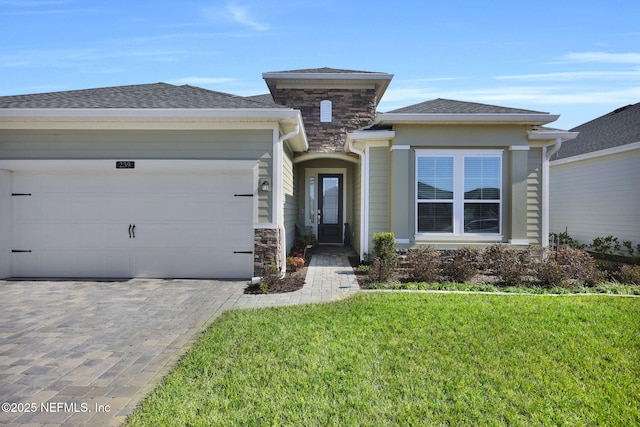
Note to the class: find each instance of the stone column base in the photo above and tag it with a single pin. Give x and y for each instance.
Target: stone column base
(267, 250)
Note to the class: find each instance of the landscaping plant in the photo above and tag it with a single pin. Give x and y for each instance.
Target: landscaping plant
(425, 264)
(463, 264)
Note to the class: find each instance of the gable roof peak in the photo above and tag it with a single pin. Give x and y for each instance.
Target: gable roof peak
(450, 106)
(323, 70)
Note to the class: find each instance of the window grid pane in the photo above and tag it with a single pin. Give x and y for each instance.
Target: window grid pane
(435, 217)
(482, 178)
(435, 178)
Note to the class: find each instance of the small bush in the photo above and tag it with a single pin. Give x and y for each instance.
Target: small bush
(425, 264)
(384, 246)
(463, 264)
(605, 245)
(294, 263)
(550, 274)
(580, 266)
(630, 274)
(508, 264)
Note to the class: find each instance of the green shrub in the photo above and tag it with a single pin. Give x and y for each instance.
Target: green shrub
(508, 264)
(384, 246)
(631, 250)
(463, 264)
(425, 264)
(630, 274)
(564, 239)
(605, 245)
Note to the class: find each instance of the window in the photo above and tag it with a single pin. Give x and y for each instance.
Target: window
(325, 111)
(458, 192)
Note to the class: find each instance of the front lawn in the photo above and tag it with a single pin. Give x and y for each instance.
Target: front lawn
(411, 359)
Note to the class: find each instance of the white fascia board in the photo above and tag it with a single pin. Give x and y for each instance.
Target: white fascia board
(29, 118)
(551, 135)
(368, 137)
(466, 118)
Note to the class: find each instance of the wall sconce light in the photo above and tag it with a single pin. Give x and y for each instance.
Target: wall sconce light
(265, 186)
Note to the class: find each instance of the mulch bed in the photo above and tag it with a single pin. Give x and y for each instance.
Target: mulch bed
(290, 283)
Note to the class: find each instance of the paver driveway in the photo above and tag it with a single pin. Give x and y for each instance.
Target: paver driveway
(83, 353)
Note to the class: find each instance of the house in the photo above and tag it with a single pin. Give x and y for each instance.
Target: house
(177, 181)
(595, 179)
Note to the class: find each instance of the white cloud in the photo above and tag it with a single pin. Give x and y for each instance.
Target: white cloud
(603, 57)
(241, 15)
(237, 14)
(576, 75)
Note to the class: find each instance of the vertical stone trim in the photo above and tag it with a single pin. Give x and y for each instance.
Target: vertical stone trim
(267, 248)
(352, 109)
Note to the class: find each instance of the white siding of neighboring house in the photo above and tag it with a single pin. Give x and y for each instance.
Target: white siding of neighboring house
(597, 197)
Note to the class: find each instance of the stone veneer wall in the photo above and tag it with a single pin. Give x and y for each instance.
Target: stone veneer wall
(352, 109)
(267, 247)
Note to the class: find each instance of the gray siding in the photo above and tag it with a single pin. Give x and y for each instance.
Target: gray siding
(289, 198)
(379, 196)
(597, 197)
(534, 196)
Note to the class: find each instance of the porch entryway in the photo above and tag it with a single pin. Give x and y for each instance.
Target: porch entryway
(325, 199)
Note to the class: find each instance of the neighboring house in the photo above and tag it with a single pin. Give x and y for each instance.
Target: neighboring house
(177, 181)
(595, 179)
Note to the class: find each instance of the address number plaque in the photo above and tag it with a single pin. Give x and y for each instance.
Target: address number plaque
(125, 164)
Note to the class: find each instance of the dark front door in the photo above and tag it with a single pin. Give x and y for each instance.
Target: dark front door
(330, 208)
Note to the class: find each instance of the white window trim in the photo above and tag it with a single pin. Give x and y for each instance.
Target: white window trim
(458, 195)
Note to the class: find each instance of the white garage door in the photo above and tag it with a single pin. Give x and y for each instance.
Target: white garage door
(130, 223)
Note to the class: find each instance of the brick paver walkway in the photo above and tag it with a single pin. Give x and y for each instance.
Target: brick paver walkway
(85, 353)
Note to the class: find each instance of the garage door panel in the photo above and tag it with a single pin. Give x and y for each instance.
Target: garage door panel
(187, 225)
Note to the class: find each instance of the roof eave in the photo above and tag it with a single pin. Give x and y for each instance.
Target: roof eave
(25, 118)
(381, 80)
(153, 118)
(466, 118)
(551, 135)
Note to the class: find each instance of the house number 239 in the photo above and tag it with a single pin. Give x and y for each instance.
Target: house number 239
(125, 165)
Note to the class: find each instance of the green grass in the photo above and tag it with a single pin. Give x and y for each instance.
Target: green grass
(386, 359)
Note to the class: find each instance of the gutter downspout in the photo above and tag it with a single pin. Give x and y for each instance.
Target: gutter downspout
(547, 154)
(363, 195)
(279, 199)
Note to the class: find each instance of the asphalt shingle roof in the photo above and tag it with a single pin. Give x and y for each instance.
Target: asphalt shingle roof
(617, 128)
(448, 106)
(157, 95)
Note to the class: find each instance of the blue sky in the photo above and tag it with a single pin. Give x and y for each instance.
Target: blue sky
(580, 59)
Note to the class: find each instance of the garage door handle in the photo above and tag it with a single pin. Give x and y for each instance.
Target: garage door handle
(133, 231)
